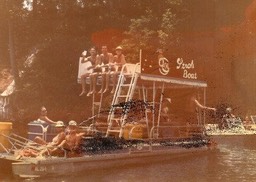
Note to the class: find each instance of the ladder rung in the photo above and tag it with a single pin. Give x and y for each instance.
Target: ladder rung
(117, 107)
(151, 103)
(114, 131)
(116, 119)
(125, 85)
(122, 95)
(96, 103)
(127, 74)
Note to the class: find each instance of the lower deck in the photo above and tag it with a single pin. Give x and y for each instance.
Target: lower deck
(139, 153)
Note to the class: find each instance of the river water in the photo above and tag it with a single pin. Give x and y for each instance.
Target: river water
(226, 163)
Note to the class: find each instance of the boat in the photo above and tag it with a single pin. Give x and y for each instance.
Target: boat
(133, 129)
(237, 133)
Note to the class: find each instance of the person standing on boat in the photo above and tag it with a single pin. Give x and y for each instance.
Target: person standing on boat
(107, 60)
(194, 106)
(90, 63)
(165, 111)
(202, 106)
(119, 60)
(43, 116)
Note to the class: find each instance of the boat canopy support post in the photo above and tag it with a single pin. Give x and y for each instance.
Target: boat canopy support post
(94, 104)
(145, 105)
(160, 107)
(205, 105)
(154, 103)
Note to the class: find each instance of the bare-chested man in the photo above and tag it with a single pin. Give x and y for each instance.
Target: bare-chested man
(52, 147)
(106, 60)
(60, 129)
(73, 139)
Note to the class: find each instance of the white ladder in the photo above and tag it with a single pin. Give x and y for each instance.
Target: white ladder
(96, 103)
(129, 71)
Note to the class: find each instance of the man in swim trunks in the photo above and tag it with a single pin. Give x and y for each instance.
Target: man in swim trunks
(72, 140)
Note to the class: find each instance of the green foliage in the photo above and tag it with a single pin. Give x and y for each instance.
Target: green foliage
(49, 36)
(156, 28)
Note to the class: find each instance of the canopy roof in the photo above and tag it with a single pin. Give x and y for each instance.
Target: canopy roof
(171, 81)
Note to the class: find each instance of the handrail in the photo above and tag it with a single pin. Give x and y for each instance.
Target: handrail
(18, 144)
(151, 136)
(4, 112)
(44, 130)
(3, 147)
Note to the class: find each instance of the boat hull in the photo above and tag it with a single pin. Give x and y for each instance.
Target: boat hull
(233, 137)
(65, 166)
(6, 161)
(236, 140)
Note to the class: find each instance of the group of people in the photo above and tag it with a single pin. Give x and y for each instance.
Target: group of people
(106, 65)
(67, 140)
(227, 121)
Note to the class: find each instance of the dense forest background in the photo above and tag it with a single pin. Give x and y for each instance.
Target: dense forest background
(47, 37)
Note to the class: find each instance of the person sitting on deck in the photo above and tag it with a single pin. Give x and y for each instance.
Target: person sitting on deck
(97, 70)
(83, 71)
(33, 150)
(59, 127)
(51, 147)
(27, 152)
(119, 60)
(107, 59)
(72, 140)
(43, 116)
(90, 64)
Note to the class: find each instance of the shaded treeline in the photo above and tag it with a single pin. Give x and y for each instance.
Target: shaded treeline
(49, 36)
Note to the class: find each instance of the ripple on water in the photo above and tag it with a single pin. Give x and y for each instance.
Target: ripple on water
(225, 164)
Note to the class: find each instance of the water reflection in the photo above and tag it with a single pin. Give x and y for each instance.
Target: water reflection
(227, 163)
(237, 163)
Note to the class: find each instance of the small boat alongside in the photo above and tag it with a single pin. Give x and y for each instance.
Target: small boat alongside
(235, 134)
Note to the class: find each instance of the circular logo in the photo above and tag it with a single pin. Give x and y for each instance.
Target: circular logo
(163, 66)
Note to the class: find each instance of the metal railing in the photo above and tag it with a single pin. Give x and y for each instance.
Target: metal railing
(5, 110)
(168, 132)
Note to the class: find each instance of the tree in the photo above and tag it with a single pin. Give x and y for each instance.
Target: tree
(156, 28)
